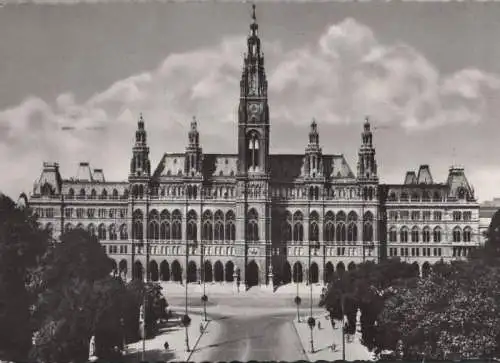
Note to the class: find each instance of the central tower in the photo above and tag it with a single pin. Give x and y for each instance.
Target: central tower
(253, 113)
(253, 215)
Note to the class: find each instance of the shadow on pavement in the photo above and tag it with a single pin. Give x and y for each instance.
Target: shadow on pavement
(215, 345)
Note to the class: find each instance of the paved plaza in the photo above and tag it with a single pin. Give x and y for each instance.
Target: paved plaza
(258, 324)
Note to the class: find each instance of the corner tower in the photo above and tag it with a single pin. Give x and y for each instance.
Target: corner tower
(253, 113)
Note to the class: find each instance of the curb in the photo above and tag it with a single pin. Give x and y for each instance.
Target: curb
(197, 341)
(300, 340)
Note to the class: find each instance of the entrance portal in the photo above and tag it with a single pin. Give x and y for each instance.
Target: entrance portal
(252, 274)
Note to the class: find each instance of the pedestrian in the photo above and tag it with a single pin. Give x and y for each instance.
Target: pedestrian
(201, 328)
(319, 325)
(166, 346)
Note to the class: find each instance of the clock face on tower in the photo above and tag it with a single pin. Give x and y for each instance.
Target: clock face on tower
(253, 108)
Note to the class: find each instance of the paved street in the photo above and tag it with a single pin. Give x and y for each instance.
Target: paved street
(263, 338)
(253, 325)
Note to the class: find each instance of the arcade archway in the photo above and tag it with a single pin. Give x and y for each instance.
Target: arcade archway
(252, 274)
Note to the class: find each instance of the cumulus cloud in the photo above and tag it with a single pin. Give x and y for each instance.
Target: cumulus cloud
(346, 74)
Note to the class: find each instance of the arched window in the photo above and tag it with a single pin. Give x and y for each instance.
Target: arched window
(329, 232)
(340, 234)
(368, 227)
(91, 229)
(426, 235)
(253, 151)
(104, 194)
(252, 226)
(403, 234)
(207, 231)
(112, 233)
(68, 227)
(82, 193)
(93, 194)
(298, 229)
(164, 225)
(154, 225)
(467, 234)
(352, 228)
(176, 225)
(286, 228)
(393, 234)
(137, 233)
(457, 234)
(230, 226)
(115, 194)
(101, 232)
(123, 232)
(437, 197)
(414, 234)
(191, 227)
(313, 227)
(219, 226)
(154, 230)
(437, 234)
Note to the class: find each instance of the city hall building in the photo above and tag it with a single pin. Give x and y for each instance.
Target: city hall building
(256, 216)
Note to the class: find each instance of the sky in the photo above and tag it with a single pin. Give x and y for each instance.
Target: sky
(74, 79)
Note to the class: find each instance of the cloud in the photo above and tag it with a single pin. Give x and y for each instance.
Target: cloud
(346, 74)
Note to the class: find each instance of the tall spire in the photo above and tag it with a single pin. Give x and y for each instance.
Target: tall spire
(194, 136)
(140, 134)
(254, 26)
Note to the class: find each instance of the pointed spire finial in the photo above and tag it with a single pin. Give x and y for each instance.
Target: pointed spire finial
(194, 123)
(141, 121)
(254, 26)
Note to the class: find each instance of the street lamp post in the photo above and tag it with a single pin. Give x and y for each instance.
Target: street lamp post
(343, 325)
(186, 320)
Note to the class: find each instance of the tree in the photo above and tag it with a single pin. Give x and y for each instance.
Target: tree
(155, 308)
(451, 314)
(366, 288)
(21, 245)
(76, 297)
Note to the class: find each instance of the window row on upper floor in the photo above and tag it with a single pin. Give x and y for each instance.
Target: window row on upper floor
(416, 215)
(416, 234)
(427, 196)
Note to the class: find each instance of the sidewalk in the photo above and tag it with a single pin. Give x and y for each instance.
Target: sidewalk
(173, 333)
(324, 338)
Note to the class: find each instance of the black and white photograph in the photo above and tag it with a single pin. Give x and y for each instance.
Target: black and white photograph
(249, 181)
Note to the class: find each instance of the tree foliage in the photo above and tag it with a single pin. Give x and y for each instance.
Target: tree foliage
(77, 298)
(21, 245)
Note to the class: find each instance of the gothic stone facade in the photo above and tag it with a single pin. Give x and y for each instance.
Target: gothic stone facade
(255, 215)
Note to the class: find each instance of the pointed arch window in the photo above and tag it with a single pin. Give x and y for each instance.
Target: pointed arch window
(102, 232)
(426, 235)
(176, 225)
(340, 228)
(252, 226)
(230, 227)
(352, 228)
(403, 235)
(112, 233)
(298, 229)
(123, 232)
(253, 151)
(414, 234)
(313, 227)
(467, 234)
(368, 227)
(457, 234)
(393, 234)
(437, 234)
